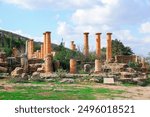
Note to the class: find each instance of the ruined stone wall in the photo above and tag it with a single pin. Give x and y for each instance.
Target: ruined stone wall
(125, 58)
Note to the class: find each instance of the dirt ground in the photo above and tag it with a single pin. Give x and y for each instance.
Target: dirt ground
(131, 92)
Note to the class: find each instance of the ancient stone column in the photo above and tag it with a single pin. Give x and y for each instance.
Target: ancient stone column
(86, 44)
(97, 66)
(48, 64)
(109, 48)
(143, 62)
(48, 43)
(24, 62)
(30, 48)
(42, 52)
(26, 49)
(73, 66)
(72, 46)
(98, 45)
(39, 54)
(44, 45)
(15, 52)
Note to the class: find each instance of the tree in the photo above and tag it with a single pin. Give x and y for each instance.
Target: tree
(118, 48)
(64, 55)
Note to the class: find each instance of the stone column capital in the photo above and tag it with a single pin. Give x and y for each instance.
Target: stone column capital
(98, 33)
(109, 33)
(86, 33)
(72, 42)
(48, 32)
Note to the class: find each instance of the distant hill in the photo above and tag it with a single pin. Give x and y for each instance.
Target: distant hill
(8, 40)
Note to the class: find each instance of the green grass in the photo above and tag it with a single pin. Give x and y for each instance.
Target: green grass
(57, 92)
(129, 84)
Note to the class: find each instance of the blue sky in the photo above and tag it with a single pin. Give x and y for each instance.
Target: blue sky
(128, 20)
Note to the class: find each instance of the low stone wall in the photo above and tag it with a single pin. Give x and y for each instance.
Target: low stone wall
(125, 58)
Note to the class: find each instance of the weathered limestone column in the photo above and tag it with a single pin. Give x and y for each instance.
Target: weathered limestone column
(37, 54)
(42, 52)
(48, 64)
(48, 43)
(72, 46)
(24, 62)
(86, 44)
(15, 52)
(26, 49)
(44, 45)
(30, 48)
(97, 66)
(73, 65)
(143, 62)
(109, 47)
(98, 45)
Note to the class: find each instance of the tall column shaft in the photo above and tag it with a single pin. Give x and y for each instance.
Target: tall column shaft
(48, 43)
(143, 62)
(98, 45)
(44, 44)
(86, 44)
(30, 48)
(109, 47)
(42, 52)
(72, 46)
(26, 49)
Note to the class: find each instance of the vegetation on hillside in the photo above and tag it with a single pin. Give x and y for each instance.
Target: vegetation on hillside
(118, 48)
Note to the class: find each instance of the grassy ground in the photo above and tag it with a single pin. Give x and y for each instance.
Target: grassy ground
(56, 91)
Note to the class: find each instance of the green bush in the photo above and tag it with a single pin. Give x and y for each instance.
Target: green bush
(133, 65)
(8, 51)
(61, 73)
(64, 55)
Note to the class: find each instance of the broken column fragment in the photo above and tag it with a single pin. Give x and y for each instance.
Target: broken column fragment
(97, 66)
(48, 64)
(73, 66)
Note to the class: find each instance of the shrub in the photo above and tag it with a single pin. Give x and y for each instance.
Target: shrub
(133, 65)
(8, 51)
(61, 73)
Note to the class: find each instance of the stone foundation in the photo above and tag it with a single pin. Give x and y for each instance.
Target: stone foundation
(125, 58)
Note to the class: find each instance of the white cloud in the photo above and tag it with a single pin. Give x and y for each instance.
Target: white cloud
(36, 4)
(63, 28)
(147, 39)
(124, 35)
(145, 27)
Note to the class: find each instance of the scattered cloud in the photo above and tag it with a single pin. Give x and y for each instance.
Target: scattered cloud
(36, 4)
(124, 35)
(63, 28)
(97, 16)
(145, 27)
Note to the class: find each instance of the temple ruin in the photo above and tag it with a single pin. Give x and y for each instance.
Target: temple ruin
(41, 61)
